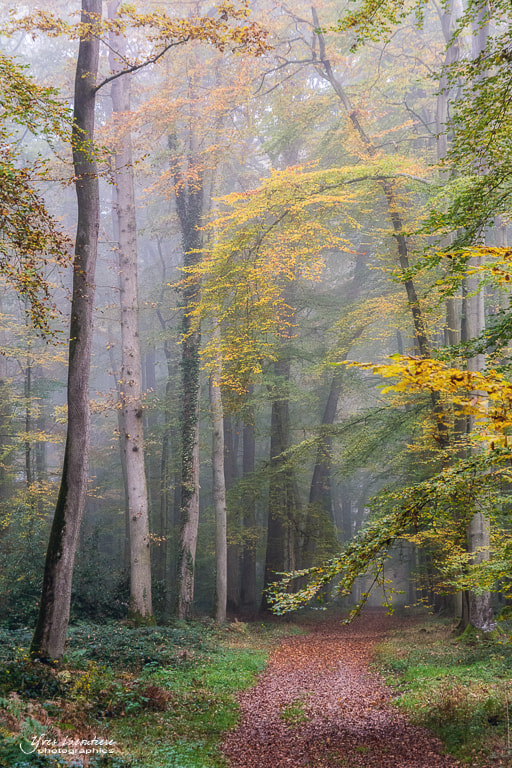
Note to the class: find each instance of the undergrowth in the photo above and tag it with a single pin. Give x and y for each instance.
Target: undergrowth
(155, 696)
(460, 689)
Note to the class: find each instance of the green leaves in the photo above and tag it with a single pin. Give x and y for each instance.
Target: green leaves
(432, 514)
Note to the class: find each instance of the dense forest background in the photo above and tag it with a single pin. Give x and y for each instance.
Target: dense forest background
(290, 202)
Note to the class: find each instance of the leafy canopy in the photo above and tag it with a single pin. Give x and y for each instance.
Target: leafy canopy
(265, 240)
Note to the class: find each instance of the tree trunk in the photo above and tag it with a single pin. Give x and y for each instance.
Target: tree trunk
(248, 597)
(120, 430)
(132, 435)
(170, 479)
(170, 476)
(320, 501)
(151, 417)
(52, 623)
(189, 512)
(189, 204)
(478, 533)
(28, 419)
(448, 17)
(281, 498)
(234, 515)
(219, 496)
(6, 437)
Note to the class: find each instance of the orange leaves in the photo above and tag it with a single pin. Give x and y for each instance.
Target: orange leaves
(319, 704)
(229, 28)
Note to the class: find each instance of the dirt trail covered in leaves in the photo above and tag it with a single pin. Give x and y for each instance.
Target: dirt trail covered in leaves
(319, 705)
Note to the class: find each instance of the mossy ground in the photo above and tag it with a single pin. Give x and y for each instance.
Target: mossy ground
(164, 695)
(458, 686)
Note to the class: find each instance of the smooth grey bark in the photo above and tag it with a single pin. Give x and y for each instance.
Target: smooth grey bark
(448, 16)
(116, 376)
(130, 388)
(481, 615)
(41, 468)
(219, 494)
(51, 628)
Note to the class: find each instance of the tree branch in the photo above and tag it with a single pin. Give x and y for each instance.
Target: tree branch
(136, 67)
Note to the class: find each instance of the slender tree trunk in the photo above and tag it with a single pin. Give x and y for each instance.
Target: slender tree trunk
(320, 500)
(52, 623)
(122, 455)
(448, 17)
(28, 419)
(281, 499)
(480, 613)
(189, 477)
(157, 523)
(169, 482)
(234, 515)
(320, 508)
(394, 211)
(189, 204)
(41, 469)
(132, 435)
(248, 597)
(170, 476)
(6, 439)
(219, 496)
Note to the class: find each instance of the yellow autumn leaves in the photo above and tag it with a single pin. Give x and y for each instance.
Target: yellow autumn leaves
(485, 396)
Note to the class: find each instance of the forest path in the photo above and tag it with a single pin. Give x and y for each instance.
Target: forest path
(318, 704)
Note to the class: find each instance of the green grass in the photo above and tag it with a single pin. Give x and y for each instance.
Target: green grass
(460, 690)
(165, 695)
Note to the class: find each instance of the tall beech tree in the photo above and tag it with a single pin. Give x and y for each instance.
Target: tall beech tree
(130, 382)
(219, 494)
(52, 623)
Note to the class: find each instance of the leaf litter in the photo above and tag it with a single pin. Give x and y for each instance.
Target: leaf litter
(344, 712)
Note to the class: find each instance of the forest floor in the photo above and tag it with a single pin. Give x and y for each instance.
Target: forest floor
(310, 692)
(320, 703)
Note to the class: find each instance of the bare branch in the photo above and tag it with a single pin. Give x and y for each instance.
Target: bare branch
(146, 63)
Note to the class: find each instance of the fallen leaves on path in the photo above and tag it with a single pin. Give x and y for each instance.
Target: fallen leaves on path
(319, 705)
